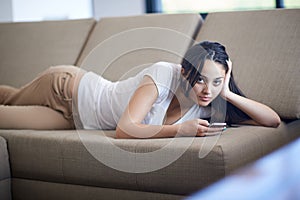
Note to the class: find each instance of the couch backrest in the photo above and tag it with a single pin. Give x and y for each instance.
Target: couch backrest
(28, 48)
(121, 46)
(265, 50)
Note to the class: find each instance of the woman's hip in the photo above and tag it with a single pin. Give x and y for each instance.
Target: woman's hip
(57, 88)
(65, 85)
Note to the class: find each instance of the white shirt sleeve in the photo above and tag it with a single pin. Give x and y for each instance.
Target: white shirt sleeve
(162, 75)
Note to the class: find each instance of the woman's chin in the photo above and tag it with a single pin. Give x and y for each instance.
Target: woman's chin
(204, 103)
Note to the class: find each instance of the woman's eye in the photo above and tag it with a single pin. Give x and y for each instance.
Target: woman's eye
(218, 82)
(200, 80)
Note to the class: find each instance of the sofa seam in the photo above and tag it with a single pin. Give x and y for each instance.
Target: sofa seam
(86, 42)
(223, 160)
(6, 157)
(197, 29)
(62, 157)
(136, 174)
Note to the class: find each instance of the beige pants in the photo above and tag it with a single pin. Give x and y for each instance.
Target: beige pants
(45, 103)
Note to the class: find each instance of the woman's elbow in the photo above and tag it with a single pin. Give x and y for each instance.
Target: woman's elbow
(120, 134)
(274, 122)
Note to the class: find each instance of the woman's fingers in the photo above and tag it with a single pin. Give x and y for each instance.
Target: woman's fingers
(229, 63)
(226, 89)
(215, 131)
(202, 128)
(203, 122)
(205, 129)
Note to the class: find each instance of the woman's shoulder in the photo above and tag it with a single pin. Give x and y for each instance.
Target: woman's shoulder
(165, 75)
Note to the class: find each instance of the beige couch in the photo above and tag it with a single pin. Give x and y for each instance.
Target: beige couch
(5, 178)
(81, 164)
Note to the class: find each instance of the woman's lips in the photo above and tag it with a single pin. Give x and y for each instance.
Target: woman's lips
(205, 99)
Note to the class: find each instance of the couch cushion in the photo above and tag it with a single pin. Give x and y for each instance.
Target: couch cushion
(264, 47)
(173, 165)
(28, 48)
(120, 46)
(34, 189)
(5, 179)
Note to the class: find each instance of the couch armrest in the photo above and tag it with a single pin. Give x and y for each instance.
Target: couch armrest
(5, 179)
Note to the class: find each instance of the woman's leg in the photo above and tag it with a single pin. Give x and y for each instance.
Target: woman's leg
(32, 117)
(52, 88)
(37, 92)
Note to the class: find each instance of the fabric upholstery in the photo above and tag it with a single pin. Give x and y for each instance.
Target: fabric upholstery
(121, 46)
(294, 129)
(34, 189)
(29, 48)
(76, 157)
(5, 179)
(264, 47)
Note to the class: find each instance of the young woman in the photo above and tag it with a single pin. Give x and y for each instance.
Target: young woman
(164, 100)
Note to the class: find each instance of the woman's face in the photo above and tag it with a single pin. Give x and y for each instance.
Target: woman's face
(210, 84)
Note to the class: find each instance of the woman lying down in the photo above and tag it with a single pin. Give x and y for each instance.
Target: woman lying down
(163, 100)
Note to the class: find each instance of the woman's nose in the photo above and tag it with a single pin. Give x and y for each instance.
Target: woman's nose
(206, 88)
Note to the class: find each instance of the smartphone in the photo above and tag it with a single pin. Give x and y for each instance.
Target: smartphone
(218, 125)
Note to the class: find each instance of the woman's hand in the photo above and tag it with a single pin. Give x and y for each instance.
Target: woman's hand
(259, 113)
(197, 127)
(226, 90)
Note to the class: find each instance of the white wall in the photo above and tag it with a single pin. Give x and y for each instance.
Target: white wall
(39, 10)
(6, 11)
(109, 8)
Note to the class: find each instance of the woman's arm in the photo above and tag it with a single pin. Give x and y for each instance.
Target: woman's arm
(258, 112)
(141, 102)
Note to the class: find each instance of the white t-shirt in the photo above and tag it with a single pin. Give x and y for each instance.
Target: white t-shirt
(101, 103)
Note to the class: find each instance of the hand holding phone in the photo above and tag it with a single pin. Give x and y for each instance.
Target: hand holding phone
(218, 125)
(215, 128)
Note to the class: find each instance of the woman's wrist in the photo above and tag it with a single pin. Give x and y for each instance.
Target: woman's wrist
(228, 95)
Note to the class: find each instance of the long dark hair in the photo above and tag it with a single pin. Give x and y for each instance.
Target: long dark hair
(192, 64)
